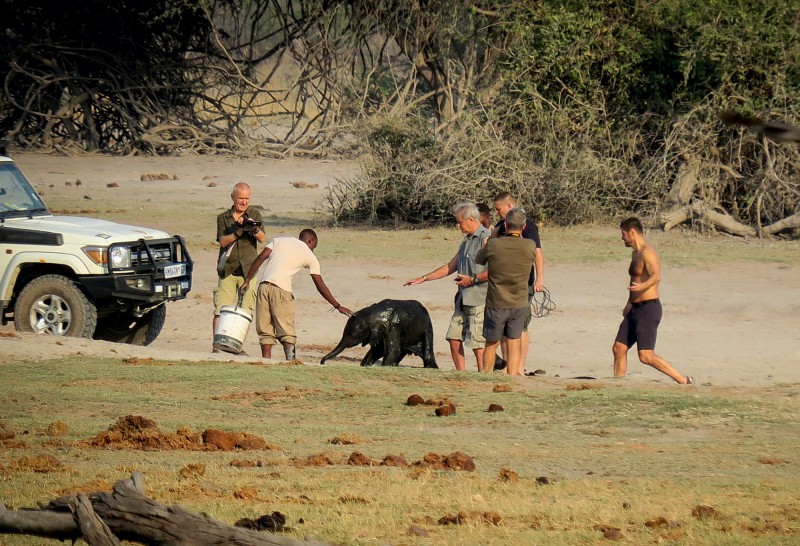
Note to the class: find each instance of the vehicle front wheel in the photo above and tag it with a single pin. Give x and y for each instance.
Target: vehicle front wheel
(124, 327)
(53, 304)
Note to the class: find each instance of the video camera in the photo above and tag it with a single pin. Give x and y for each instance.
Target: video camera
(249, 225)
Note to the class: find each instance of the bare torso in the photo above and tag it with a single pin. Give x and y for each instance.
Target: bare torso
(644, 264)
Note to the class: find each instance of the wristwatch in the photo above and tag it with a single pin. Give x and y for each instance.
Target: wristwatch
(474, 279)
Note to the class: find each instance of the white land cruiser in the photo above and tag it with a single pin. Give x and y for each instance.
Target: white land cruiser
(83, 277)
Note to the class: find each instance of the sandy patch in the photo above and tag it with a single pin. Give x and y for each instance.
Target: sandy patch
(725, 325)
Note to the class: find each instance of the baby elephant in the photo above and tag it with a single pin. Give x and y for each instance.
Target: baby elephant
(393, 329)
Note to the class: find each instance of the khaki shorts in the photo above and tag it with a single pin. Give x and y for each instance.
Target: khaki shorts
(275, 315)
(227, 293)
(466, 325)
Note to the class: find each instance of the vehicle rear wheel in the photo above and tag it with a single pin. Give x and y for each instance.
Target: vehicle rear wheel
(53, 304)
(124, 327)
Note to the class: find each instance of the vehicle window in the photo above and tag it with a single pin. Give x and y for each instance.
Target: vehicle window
(16, 194)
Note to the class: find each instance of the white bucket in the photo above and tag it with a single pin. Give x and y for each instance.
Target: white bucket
(234, 322)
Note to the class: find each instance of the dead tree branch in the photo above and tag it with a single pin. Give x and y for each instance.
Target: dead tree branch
(126, 513)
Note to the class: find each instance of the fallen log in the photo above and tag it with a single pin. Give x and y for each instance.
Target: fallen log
(92, 528)
(674, 217)
(127, 513)
(677, 215)
(790, 222)
(722, 220)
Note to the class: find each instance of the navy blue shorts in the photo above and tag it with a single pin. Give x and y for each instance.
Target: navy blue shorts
(640, 325)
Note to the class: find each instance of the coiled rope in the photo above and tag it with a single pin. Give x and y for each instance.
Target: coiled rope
(542, 304)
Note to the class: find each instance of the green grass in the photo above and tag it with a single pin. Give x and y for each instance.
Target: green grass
(661, 451)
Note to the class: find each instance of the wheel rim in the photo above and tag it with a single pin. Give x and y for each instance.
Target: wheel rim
(50, 314)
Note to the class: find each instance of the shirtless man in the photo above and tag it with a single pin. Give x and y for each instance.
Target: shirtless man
(643, 310)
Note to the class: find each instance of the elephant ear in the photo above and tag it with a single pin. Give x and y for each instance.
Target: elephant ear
(378, 335)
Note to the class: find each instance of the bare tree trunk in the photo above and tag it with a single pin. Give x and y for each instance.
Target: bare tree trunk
(127, 514)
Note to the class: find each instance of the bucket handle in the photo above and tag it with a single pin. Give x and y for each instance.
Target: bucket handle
(239, 301)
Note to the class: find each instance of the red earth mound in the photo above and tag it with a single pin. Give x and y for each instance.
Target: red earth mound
(471, 518)
(431, 461)
(40, 463)
(454, 461)
(137, 432)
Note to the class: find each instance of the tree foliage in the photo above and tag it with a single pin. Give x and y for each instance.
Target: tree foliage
(606, 102)
(97, 73)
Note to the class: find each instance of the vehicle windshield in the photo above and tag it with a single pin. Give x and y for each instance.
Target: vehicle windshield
(17, 196)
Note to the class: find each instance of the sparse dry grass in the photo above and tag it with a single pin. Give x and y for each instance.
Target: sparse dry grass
(635, 460)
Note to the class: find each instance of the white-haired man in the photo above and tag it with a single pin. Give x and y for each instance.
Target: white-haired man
(466, 324)
(238, 235)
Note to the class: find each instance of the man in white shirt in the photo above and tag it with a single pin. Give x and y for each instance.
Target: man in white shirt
(275, 309)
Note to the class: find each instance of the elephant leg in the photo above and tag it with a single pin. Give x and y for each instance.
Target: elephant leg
(368, 360)
(394, 352)
(428, 359)
(392, 347)
(392, 358)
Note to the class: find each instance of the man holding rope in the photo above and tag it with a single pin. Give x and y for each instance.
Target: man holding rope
(504, 202)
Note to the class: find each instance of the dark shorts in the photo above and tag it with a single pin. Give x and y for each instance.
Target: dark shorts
(640, 326)
(499, 322)
(529, 309)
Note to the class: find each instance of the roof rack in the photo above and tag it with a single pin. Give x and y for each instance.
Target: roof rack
(3, 146)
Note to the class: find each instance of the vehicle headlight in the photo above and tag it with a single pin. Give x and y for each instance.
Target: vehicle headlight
(120, 257)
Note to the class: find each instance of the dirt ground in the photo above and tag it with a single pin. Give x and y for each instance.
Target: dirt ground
(730, 324)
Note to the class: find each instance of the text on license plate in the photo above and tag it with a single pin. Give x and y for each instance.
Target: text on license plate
(172, 271)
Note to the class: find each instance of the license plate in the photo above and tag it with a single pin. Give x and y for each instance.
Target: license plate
(172, 271)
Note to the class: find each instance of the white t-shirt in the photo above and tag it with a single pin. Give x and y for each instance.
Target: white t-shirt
(289, 255)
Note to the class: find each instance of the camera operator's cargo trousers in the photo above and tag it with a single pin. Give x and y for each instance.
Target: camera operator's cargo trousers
(227, 293)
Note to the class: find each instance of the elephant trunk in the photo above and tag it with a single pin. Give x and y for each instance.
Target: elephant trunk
(339, 348)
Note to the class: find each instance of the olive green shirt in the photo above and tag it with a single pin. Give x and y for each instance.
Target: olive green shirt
(245, 248)
(510, 259)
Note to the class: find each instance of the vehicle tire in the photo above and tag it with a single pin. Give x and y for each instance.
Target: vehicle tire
(53, 304)
(123, 327)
